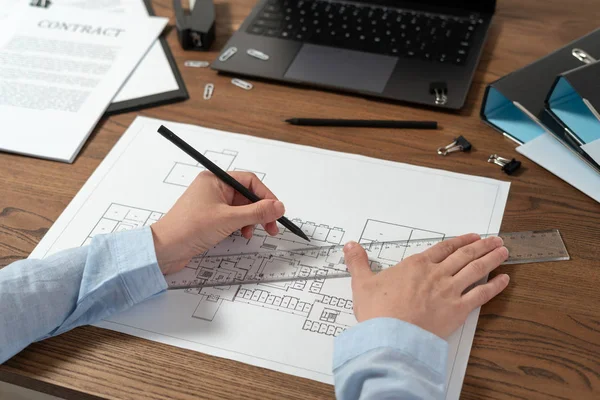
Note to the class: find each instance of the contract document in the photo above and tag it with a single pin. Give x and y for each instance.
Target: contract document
(60, 69)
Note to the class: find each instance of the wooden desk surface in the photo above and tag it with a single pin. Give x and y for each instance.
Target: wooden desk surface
(540, 339)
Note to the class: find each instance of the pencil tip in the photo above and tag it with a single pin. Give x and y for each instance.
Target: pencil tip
(302, 235)
(290, 120)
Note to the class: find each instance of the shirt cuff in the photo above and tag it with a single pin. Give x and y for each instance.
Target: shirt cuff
(137, 264)
(391, 333)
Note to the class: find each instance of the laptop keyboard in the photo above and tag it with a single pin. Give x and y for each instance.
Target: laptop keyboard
(374, 29)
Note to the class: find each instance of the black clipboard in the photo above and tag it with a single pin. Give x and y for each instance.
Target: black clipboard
(157, 99)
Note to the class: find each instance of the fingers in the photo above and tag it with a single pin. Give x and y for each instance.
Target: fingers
(357, 262)
(262, 212)
(464, 255)
(247, 231)
(481, 294)
(443, 250)
(251, 181)
(271, 228)
(479, 268)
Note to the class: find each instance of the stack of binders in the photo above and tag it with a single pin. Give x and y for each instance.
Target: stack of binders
(551, 109)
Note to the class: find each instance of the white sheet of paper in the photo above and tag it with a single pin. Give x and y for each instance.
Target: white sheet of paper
(548, 152)
(59, 71)
(153, 74)
(593, 149)
(6, 7)
(335, 197)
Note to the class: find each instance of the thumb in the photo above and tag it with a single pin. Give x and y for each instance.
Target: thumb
(261, 212)
(357, 261)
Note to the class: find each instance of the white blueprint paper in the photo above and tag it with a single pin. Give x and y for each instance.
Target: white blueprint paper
(60, 69)
(335, 197)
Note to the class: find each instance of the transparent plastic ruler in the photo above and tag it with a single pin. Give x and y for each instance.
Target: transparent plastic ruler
(319, 263)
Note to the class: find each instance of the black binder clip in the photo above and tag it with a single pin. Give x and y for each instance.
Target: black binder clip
(440, 91)
(195, 29)
(508, 166)
(459, 144)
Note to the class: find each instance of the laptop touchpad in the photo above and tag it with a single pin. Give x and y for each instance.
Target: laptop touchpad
(342, 68)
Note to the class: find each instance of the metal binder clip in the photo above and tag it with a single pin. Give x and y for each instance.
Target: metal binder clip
(459, 144)
(242, 84)
(440, 90)
(196, 64)
(583, 56)
(257, 54)
(508, 166)
(195, 28)
(40, 3)
(227, 54)
(208, 91)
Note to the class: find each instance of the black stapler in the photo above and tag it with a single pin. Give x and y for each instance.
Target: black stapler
(195, 28)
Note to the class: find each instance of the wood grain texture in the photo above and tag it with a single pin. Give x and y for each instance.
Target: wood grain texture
(540, 339)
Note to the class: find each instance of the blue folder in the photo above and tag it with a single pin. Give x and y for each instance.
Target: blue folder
(515, 105)
(575, 101)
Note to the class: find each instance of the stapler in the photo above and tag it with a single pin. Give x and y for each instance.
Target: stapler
(195, 28)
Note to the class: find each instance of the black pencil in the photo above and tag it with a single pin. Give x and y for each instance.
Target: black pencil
(363, 123)
(224, 176)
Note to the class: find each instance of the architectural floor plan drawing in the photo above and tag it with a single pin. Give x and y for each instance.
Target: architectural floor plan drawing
(307, 299)
(318, 312)
(123, 218)
(290, 327)
(183, 174)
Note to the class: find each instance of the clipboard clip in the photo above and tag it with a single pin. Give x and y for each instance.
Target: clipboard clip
(459, 144)
(195, 28)
(583, 56)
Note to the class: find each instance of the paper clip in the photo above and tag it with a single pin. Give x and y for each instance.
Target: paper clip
(459, 144)
(583, 56)
(508, 166)
(227, 54)
(208, 91)
(242, 84)
(257, 54)
(196, 64)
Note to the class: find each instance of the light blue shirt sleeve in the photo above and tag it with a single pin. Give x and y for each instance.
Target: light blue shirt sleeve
(386, 358)
(44, 298)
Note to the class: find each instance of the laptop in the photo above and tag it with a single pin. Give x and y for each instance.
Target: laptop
(422, 52)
